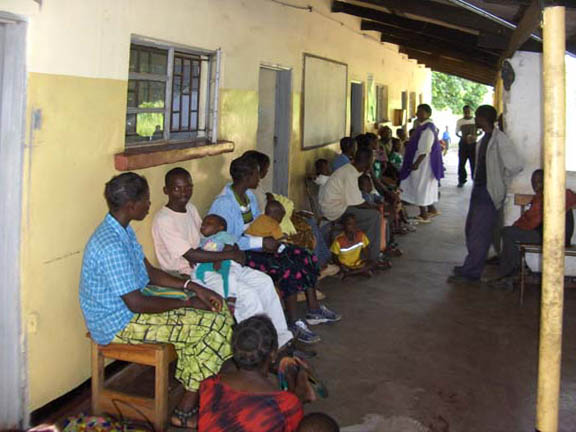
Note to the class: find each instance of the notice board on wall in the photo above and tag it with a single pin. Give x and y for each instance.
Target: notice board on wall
(325, 90)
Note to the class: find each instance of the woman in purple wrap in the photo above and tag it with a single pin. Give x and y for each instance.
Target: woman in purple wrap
(422, 166)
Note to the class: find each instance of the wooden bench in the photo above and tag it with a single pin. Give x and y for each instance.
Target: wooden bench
(523, 200)
(152, 410)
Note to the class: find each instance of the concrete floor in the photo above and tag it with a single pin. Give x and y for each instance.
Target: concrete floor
(453, 358)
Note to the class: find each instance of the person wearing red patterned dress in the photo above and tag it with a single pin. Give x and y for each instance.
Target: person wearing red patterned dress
(247, 399)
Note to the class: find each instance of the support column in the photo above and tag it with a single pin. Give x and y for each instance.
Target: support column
(550, 356)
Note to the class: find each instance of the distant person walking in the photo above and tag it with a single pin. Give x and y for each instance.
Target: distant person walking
(447, 138)
(497, 163)
(467, 131)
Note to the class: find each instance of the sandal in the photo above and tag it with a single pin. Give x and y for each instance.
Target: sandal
(384, 265)
(316, 389)
(183, 417)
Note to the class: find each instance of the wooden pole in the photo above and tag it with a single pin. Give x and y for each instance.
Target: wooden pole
(550, 356)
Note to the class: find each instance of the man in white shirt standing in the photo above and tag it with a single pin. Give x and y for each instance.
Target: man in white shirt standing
(341, 195)
(467, 131)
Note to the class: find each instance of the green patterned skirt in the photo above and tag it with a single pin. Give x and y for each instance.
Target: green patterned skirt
(201, 340)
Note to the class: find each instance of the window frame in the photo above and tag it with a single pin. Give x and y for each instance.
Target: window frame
(207, 91)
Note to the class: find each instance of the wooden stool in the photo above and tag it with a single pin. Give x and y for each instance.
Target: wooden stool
(154, 410)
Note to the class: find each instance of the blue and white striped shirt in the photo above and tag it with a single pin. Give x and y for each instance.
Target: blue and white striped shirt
(113, 266)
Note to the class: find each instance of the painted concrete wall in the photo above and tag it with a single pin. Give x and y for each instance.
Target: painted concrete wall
(523, 116)
(78, 68)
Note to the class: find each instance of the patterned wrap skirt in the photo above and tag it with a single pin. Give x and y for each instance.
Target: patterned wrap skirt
(293, 270)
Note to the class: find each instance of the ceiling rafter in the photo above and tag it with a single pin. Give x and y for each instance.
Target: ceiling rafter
(474, 72)
(440, 12)
(528, 23)
(403, 37)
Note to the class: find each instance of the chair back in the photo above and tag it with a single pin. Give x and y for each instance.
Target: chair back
(569, 227)
(312, 190)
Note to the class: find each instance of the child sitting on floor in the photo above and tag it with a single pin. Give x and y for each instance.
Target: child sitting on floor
(350, 249)
(268, 224)
(216, 239)
(322, 172)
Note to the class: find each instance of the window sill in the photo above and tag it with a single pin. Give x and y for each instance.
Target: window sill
(146, 158)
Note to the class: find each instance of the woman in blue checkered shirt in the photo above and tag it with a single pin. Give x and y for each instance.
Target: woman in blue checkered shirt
(115, 270)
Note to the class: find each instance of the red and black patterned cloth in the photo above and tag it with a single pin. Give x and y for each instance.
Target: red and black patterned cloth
(223, 409)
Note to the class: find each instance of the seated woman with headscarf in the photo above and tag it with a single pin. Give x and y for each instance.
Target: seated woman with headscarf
(294, 269)
(115, 270)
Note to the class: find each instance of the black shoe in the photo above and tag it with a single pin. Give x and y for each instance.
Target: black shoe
(495, 260)
(504, 284)
(304, 355)
(462, 279)
(457, 270)
(460, 185)
(295, 349)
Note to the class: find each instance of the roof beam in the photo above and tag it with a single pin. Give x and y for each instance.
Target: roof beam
(431, 30)
(485, 40)
(529, 22)
(472, 71)
(408, 38)
(442, 13)
(470, 67)
(491, 41)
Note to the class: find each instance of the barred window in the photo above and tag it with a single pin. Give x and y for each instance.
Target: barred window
(172, 95)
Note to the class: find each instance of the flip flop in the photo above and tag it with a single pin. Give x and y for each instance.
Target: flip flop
(183, 417)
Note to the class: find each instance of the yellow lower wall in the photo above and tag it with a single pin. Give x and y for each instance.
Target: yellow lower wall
(68, 162)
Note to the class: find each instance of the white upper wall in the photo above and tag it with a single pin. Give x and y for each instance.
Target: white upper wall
(523, 117)
(95, 40)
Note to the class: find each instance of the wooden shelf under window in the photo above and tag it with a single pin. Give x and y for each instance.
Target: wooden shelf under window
(134, 159)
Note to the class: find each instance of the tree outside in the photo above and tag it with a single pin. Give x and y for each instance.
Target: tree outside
(450, 92)
(449, 95)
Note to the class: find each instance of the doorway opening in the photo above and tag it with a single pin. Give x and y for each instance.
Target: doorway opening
(274, 125)
(356, 109)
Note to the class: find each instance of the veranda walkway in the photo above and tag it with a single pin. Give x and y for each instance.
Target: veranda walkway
(457, 358)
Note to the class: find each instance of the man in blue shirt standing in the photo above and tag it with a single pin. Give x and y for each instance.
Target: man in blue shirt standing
(348, 148)
(114, 271)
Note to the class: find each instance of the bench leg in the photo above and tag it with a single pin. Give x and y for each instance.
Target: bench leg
(97, 379)
(161, 391)
(522, 275)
